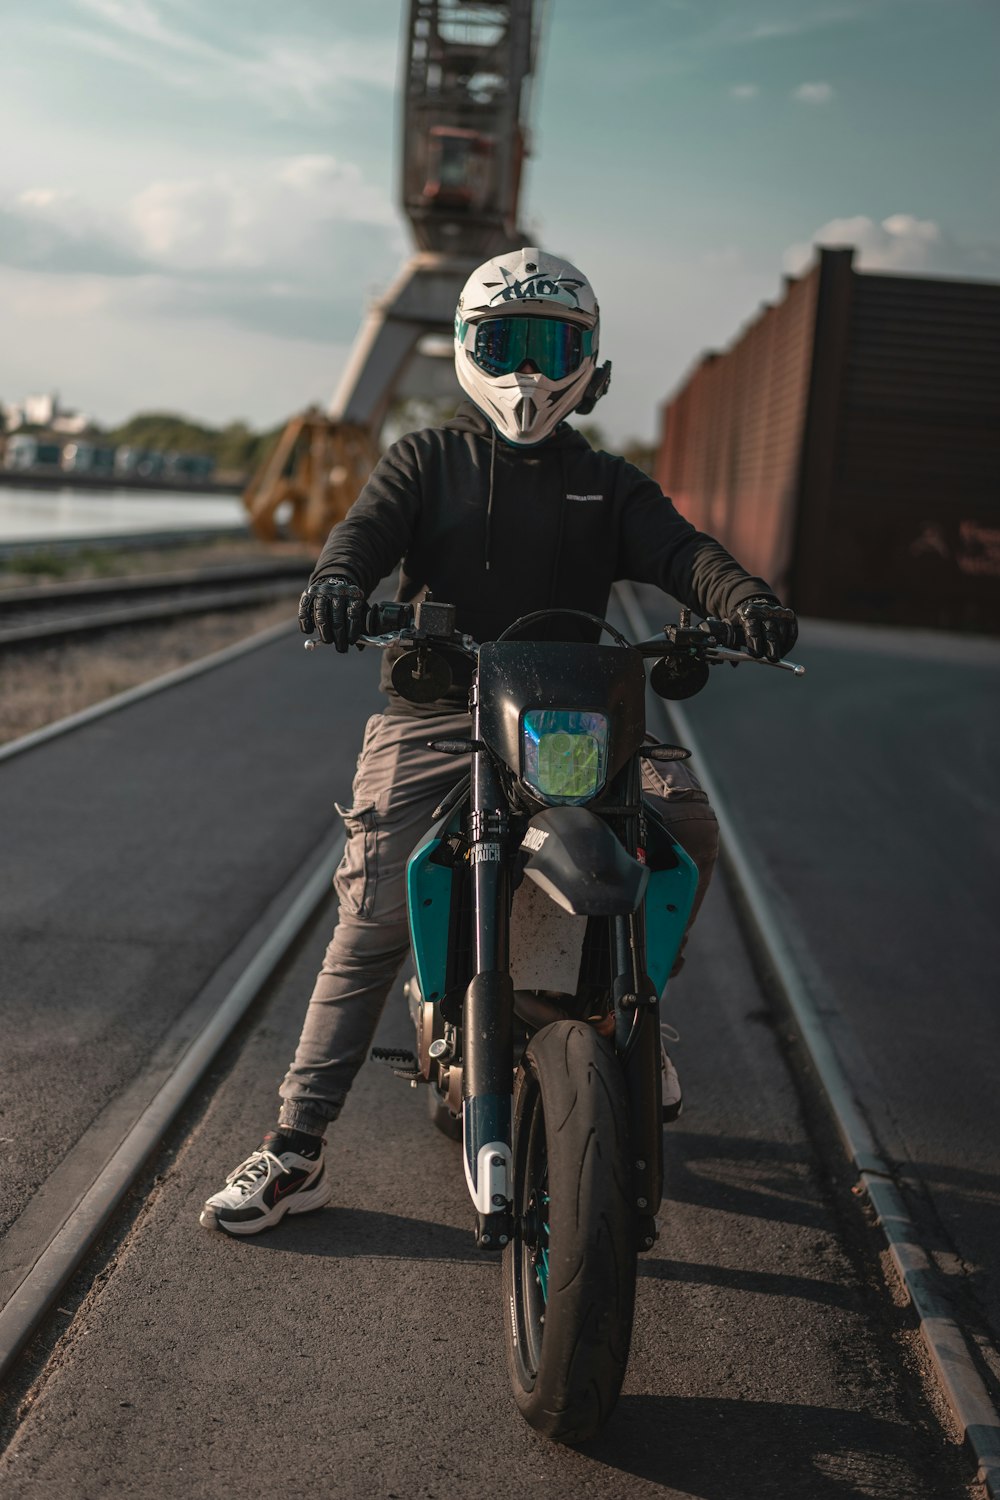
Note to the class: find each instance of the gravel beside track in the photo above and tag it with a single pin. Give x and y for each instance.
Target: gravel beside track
(50, 682)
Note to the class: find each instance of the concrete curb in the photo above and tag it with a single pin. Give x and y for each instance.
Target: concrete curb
(953, 1361)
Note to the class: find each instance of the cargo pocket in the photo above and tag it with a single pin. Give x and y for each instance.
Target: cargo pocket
(354, 881)
(677, 784)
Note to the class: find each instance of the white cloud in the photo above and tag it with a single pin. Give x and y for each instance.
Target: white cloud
(814, 93)
(287, 75)
(293, 217)
(802, 24)
(744, 91)
(731, 26)
(901, 242)
(287, 247)
(287, 215)
(53, 326)
(54, 233)
(37, 197)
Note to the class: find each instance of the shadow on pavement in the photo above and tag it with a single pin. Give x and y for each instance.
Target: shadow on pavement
(739, 1175)
(716, 1450)
(361, 1233)
(766, 1283)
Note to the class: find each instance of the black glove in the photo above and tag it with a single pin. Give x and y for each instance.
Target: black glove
(768, 628)
(336, 608)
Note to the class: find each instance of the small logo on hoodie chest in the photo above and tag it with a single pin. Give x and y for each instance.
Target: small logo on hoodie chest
(589, 499)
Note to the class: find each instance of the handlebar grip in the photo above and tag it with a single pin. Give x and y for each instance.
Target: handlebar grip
(725, 634)
(386, 617)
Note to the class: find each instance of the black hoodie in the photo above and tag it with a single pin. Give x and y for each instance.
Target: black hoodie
(499, 531)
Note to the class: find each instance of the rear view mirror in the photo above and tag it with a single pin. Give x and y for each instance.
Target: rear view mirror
(421, 676)
(678, 677)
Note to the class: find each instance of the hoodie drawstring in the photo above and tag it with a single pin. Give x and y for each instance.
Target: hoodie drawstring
(564, 475)
(489, 503)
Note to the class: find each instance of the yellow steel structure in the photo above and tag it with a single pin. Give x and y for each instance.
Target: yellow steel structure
(311, 478)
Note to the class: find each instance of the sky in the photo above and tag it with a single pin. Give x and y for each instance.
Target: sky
(197, 203)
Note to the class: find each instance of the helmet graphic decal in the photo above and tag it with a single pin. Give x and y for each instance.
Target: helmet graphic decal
(556, 288)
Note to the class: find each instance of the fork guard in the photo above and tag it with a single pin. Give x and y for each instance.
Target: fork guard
(576, 859)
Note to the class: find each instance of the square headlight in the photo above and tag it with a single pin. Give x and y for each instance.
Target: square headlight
(564, 753)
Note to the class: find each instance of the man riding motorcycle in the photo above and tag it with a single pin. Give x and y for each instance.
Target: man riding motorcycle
(501, 511)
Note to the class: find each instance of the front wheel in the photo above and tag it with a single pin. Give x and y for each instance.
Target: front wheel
(569, 1272)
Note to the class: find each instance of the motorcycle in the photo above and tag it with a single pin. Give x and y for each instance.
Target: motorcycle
(547, 903)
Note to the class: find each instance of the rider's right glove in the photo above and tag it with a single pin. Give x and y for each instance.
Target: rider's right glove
(335, 607)
(768, 628)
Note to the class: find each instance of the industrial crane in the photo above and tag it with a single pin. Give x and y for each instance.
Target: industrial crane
(466, 92)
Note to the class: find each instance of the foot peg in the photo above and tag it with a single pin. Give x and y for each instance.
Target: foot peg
(403, 1064)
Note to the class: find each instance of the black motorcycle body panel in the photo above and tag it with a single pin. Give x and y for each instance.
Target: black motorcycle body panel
(516, 677)
(577, 860)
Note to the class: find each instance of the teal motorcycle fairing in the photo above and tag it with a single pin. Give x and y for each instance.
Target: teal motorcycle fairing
(670, 892)
(429, 903)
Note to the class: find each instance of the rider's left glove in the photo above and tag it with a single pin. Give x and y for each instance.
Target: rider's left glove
(768, 628)
(336, 609)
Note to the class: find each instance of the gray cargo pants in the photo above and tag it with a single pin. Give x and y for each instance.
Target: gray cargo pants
(399, 783)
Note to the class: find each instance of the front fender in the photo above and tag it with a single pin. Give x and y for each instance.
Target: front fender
(575, 858)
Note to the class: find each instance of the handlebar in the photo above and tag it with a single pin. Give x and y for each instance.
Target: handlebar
(428, 623)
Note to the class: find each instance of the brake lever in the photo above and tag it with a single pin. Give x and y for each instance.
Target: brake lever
(410, 637)
(363, 640)
(719, 654)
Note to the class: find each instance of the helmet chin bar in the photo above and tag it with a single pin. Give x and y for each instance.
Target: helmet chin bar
(524, 409)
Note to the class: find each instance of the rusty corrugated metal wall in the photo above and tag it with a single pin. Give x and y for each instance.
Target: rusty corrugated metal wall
(917, 464)
(847, 447)
(729, 457)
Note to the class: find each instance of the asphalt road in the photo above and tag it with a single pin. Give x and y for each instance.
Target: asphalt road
(869, 792)
(358, 1351)
(137, 850)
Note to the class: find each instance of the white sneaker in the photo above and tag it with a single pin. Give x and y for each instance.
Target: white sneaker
(264, 1188)
(673, 1098)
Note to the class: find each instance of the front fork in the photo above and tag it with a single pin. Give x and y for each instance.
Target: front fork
(488, 1024)
(637, 1036)
(488, 1012)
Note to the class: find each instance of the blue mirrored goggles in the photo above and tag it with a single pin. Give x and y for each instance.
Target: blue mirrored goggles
(555, 347)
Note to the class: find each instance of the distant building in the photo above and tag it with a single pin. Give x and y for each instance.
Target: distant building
(45, 411)
(847, 446)
(25, 451)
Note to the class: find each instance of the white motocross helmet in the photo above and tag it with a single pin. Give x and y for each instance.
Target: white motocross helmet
(526, 332)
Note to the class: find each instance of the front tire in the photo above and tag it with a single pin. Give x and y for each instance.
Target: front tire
(569, 1272)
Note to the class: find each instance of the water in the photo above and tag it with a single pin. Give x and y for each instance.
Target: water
(35, 515)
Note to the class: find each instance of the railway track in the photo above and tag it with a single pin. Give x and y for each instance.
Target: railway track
(55, 612)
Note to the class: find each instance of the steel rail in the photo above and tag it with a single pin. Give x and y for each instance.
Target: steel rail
(45, 632)
(118, 541)
(950, 1353)
(88, 1212)
(31, 596)
(109, 606)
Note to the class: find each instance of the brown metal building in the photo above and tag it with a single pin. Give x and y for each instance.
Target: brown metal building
(847, 446)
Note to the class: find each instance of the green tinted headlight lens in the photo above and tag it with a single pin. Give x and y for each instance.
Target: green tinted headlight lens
(565, 754)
